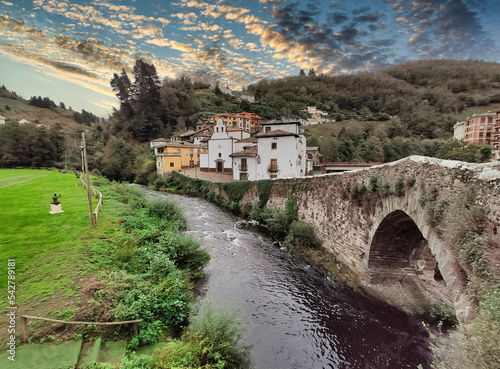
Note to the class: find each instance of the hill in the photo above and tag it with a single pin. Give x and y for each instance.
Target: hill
(14, 108)
(427, 97)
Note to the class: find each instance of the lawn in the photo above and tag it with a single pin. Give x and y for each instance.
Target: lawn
(43, 246)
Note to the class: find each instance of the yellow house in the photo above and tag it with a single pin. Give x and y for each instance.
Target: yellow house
(175, 156)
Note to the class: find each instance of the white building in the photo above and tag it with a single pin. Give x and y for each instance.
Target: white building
(280, 152)
(2, 119)
(220, 146)
(459, 130)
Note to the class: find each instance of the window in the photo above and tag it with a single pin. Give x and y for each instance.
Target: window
(274, 145)
(274, 165)
(171, 164)
(243, 164)
(267, 129)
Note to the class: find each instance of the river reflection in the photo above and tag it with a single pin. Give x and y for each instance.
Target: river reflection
(296, 316)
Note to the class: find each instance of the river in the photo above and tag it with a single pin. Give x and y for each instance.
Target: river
(295, 315)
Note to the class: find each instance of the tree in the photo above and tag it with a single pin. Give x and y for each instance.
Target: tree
(312, 72)
(454, 149)
(44, 152)
(122, 86)
(146, 101)
(302, 72)
(118, 160)
(57, 139)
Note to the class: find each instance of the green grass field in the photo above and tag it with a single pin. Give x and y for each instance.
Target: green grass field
(44, 246)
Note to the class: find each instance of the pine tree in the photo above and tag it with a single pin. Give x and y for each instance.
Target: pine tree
(122, 86)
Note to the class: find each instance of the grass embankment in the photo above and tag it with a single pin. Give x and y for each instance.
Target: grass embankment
(43, 245)
(136, 264)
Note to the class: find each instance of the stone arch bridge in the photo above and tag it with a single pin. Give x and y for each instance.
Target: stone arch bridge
(389, 223)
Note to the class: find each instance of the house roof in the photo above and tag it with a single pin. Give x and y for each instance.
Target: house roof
(187, 134)
(161, 140)
(282, 121)
(247, 151)
(312, 148)
(248, 140)
(178, 144)
(275, 133)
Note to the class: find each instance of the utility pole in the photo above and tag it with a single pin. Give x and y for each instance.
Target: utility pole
(86, 169)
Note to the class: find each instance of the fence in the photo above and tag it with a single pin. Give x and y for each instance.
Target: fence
(97, 194)
(26, 334)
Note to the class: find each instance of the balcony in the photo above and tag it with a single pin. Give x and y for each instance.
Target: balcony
(272, 169)
(242, 168)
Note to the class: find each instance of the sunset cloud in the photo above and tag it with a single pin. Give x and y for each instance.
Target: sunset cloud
(238, 43)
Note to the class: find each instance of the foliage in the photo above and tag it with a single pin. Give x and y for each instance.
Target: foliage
(40, 102)
(85, 117)
(301, 234)
(20, 145)
(211, 341)
(264, 188)
(236, 190)
(454, 149)
(136, 362)
(118, 160)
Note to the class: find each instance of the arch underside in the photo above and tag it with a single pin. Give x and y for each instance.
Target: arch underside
(399, 249)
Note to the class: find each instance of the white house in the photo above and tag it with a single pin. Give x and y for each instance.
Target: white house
(220, 146)
(280, 152)
(238, 133)
(459, 130)
(2, 119)
(159, 142)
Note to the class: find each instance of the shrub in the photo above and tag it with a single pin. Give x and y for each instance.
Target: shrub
(183, 251)
(302, 234)
(219, 332)
(399, 186)
(165, 209)
(136, 362)
(160, 182)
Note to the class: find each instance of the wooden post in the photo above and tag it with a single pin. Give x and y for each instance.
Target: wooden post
(89, 195)
(136, 329)
(26, 332)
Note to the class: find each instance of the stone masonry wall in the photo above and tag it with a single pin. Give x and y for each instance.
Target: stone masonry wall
(347, 225)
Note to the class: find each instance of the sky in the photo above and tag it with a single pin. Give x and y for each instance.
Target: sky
(69, 50)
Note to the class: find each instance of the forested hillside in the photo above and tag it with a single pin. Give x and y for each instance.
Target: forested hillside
(379, 116)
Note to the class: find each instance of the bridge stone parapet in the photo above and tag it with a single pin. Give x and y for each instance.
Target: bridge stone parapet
(376, 221)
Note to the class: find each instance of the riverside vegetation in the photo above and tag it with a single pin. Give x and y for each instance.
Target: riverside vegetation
(151, 266)
(136, 264)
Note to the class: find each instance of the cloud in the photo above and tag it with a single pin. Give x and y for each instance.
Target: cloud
(446, 29)
(172, 44)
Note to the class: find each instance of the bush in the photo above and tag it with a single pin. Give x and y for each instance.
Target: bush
(302, 234)
(135, 362)
(166, 209)
(219, 332)
(183, 251)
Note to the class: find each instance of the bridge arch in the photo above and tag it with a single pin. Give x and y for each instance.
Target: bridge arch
(398, 249)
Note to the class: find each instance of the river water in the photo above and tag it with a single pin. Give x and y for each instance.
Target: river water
(295, 316)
